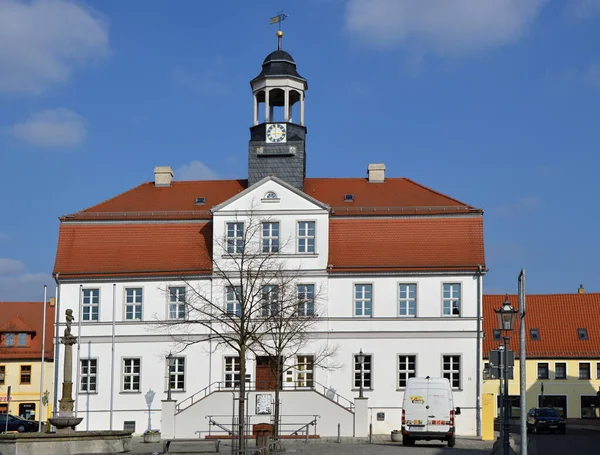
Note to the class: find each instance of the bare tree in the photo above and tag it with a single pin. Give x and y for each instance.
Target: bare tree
(249, 271)
(288, 337)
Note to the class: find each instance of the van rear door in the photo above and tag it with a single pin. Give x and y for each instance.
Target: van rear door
(438, 408)
(416, 411)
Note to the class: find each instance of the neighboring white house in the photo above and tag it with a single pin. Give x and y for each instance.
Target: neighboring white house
(399, 266)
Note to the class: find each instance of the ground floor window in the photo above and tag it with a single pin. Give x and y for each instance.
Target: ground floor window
(590, 408)
(558, 402)
(232, 372)
(27, 411)
(304, 371)
(514, 406)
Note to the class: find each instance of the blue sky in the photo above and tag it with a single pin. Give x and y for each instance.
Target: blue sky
(495, 103)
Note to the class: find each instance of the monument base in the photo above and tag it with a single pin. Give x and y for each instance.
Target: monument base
(65, 444)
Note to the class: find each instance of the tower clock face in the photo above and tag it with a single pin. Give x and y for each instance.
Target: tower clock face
(276, 133)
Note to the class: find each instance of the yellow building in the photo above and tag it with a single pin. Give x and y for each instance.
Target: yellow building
(21, 327)
(562, 349)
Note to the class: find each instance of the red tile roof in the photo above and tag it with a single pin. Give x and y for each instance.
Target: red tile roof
(395, 196)
(133, 249)
(406, 244)
(20, 317)
(557, 317)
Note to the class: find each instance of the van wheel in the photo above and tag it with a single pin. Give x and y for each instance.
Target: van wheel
(452, 441)
(406, 441)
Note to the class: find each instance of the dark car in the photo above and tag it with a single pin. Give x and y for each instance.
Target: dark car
(17, 424)
(545, 419)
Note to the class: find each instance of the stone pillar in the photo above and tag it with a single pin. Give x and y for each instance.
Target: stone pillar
(361, 417)
(167, 419)
(267, 106)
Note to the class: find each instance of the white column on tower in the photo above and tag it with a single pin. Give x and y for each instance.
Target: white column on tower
(267, 106)
(286, 107)
(302, 108)
(255, 95)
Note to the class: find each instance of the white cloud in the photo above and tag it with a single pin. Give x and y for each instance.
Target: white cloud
(52, 128)
(207, 81)
(16, 284)
(43, 40)
(196, 170)
(441, 26)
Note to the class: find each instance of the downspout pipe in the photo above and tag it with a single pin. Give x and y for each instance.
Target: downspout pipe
(56, 345)
(478, 354)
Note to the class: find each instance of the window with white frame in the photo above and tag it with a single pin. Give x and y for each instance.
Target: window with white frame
(231, 375)
(407, 305)
(133, 303)
(234, 306)
(131, 374)
(451, 370)
(177, 373)
(306, 300)
(270, 237)
(87, 375)
(367, 369)
(306, 236)
(363, 299)
(90, 304)
(560, 370)
(543, 370)
(584, 370)
(451, 301)
(305, 365)
(407, 368)
(177, 302)
(22, 339)
(9, 339)
(270, 301)
(2, 374)
(235, 238)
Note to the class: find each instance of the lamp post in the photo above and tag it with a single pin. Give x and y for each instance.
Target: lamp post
(170, 364)
(506, 316)
(361, 360)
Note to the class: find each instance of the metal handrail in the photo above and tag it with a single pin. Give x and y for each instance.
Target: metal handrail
(349, 403)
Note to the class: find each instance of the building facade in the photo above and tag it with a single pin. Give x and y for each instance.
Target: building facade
(21, 339)
(397, 269)
(563, 353)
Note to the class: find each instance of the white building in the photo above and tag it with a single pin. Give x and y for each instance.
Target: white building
(399, 265)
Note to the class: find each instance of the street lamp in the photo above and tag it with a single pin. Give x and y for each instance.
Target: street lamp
(170, 364)
(507, 316)
(361, 360)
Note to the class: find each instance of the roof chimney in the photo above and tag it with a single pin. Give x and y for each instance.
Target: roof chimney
(163, 176)
(376, 173)
(581, 289)
(52, 302)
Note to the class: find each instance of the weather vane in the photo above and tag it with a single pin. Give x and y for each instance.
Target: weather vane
(278, 20)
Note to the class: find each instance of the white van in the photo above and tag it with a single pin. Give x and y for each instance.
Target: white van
(428, 411)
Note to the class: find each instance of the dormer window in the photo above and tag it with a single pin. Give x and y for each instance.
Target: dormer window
(535, 334)
(15, 339)
(9, 339)
(348, 197)
(200, 201)
(583, 334)
(497, 335)
(22, 339)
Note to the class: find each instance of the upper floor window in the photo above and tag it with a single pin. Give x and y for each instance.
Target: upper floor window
(87, 378)
(22, 339)
(305, 370)
(407, 368)
(451, 299)
(306, 237)
(363, 374)
(9, 339)
(363, 299)
(90, 304)
(131, 374)
(235, 238)
(177, 302)
(231, 375)
(25, 374)
(270, 237)
(234, 306)
(2, 374)
(560, 370)
(408, 300)
(306, 300)
(451, 370)
(543, 372)
(133, 306)
(584, 370)
(270, 302)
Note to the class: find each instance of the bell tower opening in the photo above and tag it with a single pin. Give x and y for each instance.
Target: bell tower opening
(278, 132)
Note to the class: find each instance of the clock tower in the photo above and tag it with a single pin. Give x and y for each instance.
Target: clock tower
(278, 135)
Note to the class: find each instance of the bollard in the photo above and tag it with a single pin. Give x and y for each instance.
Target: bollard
(370, 433)
(306, 437)
(339, 439)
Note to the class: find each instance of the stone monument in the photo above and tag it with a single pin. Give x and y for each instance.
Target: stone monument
(66, 421)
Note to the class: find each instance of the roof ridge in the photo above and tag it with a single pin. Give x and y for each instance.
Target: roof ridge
(438, 193)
